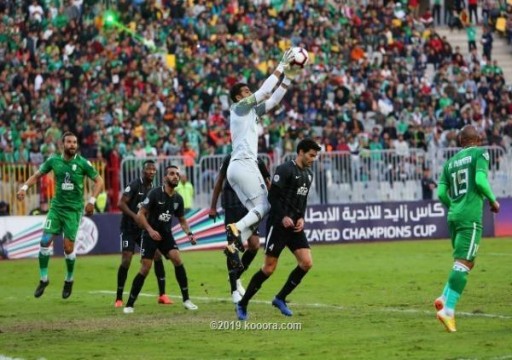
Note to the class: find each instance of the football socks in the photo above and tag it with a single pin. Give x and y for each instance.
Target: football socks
(456, 283)
(44, 259)
(293, 280)
(160, 275)
(137, 284)
(70, 265)
(254, 285)
(181, 277)
(122, 274)
(247, 259)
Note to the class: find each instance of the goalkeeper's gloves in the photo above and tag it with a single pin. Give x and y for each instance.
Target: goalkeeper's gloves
(291, 72)
(286, 60)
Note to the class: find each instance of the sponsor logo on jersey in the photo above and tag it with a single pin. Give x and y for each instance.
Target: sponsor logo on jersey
(67, 185)
(276, 178)
(165, 217)
(73, 167)
(303, 190)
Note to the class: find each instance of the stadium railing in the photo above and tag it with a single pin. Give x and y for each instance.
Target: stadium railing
(12, 176)
(339, 177)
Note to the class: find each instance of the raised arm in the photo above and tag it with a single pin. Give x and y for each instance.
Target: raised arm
(290, 72)
(265, 91)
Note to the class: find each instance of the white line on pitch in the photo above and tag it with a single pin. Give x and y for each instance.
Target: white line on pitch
(317, 305)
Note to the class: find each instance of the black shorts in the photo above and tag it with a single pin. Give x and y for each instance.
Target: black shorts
(130, 238)
(234, 214)
(149, 246)
(278, 237)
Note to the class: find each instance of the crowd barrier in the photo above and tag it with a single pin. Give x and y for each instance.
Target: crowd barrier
(339, 177)
(12, 176)
(343, 177)
(325, 224)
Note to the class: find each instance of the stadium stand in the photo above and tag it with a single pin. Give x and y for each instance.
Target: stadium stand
(384, 94)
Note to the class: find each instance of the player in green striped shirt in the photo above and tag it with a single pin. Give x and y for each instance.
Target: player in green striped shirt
(462, 189)
(70, 170)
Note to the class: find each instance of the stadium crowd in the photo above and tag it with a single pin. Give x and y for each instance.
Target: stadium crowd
(151, 78)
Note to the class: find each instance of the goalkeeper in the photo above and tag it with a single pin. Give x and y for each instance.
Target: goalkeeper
(243, 173)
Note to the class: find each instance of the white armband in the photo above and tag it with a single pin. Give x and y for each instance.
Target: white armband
(92, 200)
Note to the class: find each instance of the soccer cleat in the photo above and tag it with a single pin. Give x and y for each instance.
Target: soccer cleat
(439, 303)
(281, 305)
(235, 237)
(164, 299)
(239, 287)
(241, 312)
(234, 259)
(40, 288)
(447, 321)
(236, 296)
(118, 303)
(189, 305)
(67, 289)
(128, 310)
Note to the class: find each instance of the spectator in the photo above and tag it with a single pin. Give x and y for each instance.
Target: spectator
(42, 209)
(427, 185)
(186, 190)
(4, 208)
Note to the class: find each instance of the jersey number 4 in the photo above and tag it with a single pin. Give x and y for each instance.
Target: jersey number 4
(460, 182)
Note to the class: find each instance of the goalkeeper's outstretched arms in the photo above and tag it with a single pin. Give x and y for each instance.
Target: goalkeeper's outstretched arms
(264, 92)
(290, 73)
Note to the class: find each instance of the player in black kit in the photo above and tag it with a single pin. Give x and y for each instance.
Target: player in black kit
(155, 217)
(234, 210)
(285, 226)
(129, 204)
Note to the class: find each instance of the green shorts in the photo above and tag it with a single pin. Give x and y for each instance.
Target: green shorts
(465, 237)
(59, 221)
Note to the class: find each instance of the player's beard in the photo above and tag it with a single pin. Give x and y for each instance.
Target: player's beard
(70, 152)
(171, 183)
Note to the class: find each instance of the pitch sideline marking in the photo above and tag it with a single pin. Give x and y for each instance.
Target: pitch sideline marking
(315, 305)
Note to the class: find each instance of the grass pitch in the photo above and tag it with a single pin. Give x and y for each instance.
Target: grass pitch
(360, 301)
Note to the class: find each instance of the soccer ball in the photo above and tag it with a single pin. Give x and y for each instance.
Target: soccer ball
(300, 57)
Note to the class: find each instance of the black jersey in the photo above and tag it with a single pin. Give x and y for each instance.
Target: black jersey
(289, 192)
(228, 198)
(136, 192)
(161, 208)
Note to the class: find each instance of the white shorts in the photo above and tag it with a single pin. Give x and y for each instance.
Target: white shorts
(245, 178)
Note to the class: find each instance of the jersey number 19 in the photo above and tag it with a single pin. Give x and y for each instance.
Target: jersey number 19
(460, 182)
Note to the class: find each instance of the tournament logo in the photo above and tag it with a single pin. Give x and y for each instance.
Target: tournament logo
(87, 236)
